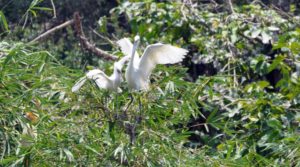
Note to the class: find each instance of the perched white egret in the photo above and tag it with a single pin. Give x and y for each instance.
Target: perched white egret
(139, 69)
(103, 81)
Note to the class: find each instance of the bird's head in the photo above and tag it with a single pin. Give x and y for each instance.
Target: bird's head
(118, 68)
(136, 39)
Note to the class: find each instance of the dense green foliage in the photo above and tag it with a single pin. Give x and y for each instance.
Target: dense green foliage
(242, 108)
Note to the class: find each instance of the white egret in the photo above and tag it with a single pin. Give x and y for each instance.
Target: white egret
(103, 81)
(139, 69)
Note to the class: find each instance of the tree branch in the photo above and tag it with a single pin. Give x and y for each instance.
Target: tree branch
(252, 41)
(105, 38)
(83, 40)
(47, 33)
(230, 6)
(86, 44)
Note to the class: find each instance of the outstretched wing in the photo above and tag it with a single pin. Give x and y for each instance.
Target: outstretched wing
(126, 47)
(159, 54)
(79, 84)
(92, 73)
(99, 77)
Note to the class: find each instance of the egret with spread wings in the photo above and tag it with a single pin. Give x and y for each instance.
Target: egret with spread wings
(103, 81)
(139, 69)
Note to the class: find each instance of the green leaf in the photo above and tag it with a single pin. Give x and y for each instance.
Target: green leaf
(8, 160)
(69, 155)
(3, 21)
(211, 118)
(263, 84)
(274, 123)
(33, 12)
(276, 62)
(92, 149)
(42, 8)
(265, 37)
(295, 47)
(41, 68)
(102, 22)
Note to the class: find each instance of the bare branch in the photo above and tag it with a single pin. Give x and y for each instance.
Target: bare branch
(252, 41)
(86, 44)
(214, 2)
(105, 38)
(230, 6)
(83, 40)
(47, 33)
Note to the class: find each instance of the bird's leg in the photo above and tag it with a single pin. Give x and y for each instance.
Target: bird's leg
(129, 127)
(139, 118)
(129, 104)
(106, 102)
(116, 107)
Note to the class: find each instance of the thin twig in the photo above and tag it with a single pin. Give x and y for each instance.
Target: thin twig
(105, 38)
(277, 10)
(196, 125)
(54, 9)
(214, 2)
(47, 33)
(25, 21)
(230, 6)
(128, 105)
(83, 40)
(182, 10)
(233, 55)
(2, 54)
(200, 20)
(251, 40)
(281, 11)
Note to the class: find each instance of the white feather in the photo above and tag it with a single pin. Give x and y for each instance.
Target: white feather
(92, 73)
(103, 81)
(138, 75)
(79, 84)
(126, 47)
(111, 83)
(159, 54)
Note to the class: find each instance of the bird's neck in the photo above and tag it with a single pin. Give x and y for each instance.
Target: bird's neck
(135, 45)
(132, 59)
(115, 74)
